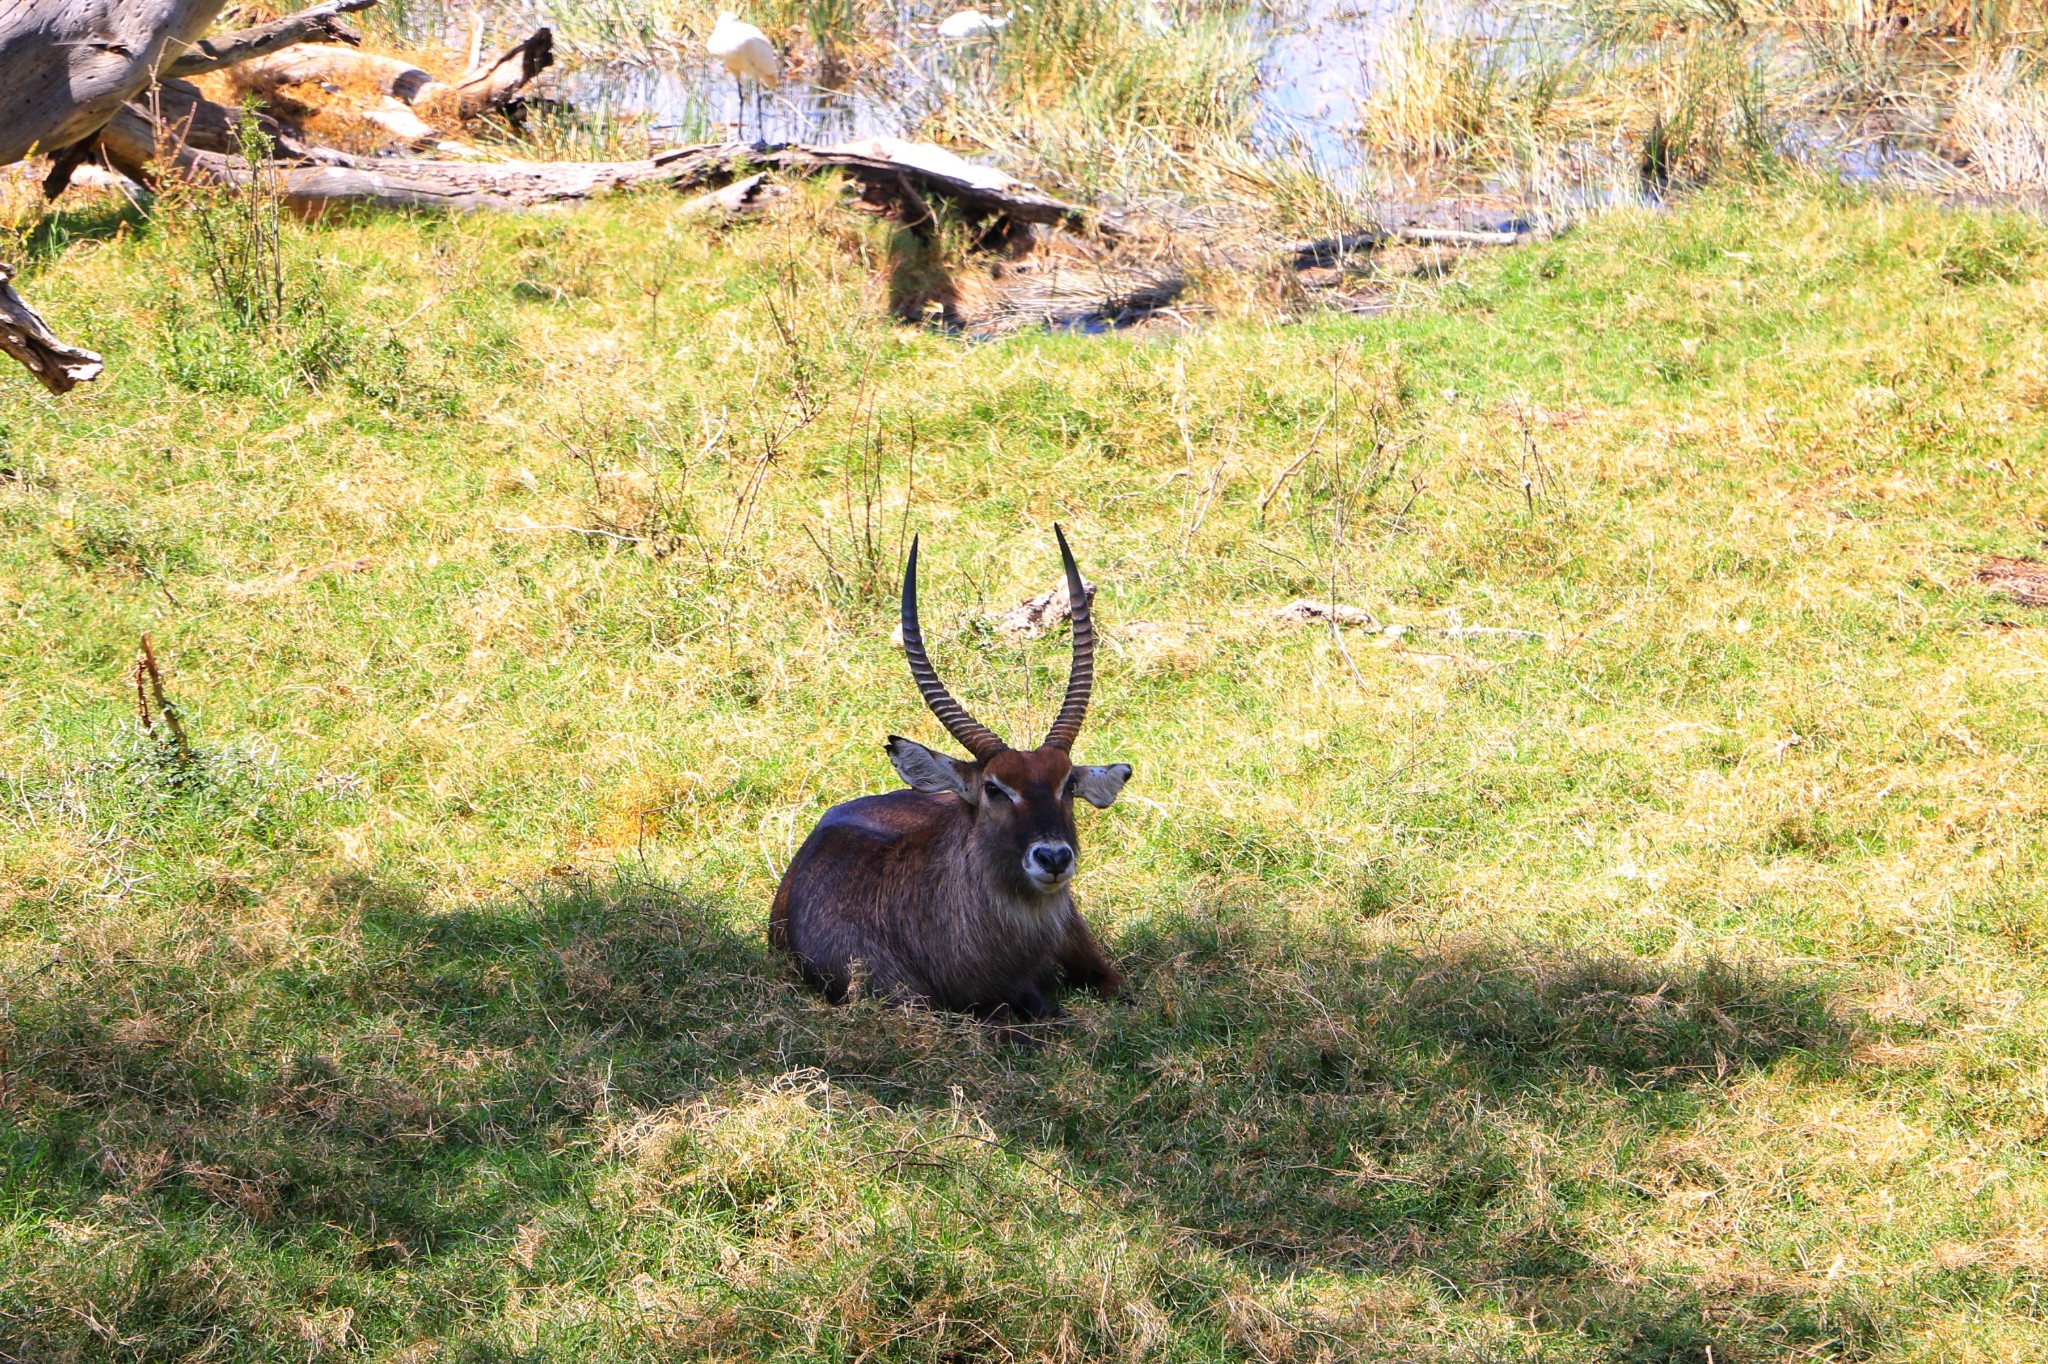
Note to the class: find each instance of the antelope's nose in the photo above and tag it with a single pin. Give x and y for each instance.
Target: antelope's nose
(1051, 860)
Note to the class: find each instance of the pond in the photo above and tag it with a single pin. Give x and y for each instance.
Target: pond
(1870, 103)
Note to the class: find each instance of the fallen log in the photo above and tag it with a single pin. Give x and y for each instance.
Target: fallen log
(1328, 251)
(330, 64)
(27, 338)
(130, 144)
(187, 119)
(892, 174)
(401, 101)
(322, 23)
(67, 65)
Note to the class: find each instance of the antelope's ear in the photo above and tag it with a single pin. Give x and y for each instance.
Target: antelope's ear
(1100, 786)
(931, 772)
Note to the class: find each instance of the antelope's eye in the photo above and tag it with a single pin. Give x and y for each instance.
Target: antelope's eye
(996, 788)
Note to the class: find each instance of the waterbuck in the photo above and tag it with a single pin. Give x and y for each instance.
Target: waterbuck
(956, 892)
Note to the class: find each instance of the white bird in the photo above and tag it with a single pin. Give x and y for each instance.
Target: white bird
(747, 53)
(1152, 20)
(970, 23)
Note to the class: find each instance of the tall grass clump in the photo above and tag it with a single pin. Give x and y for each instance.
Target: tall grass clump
(1600, 108)
(1087, 93)
(2000, 123)
(1437, 92)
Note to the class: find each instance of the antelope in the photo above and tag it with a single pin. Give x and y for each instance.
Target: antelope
(958, 891)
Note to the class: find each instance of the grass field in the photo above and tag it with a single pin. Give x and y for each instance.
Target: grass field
(1662, 985)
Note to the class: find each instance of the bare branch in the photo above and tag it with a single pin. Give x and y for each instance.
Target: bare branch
(494, 86)
(26, 337)
(320, 24)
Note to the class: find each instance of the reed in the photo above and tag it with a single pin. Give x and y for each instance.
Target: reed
(2001, 124)
(1086, 93)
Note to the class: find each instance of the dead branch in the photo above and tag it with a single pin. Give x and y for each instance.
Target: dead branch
(1328, 251)
(490, 88)
(145, 668)
(28, 339)
(322, 23)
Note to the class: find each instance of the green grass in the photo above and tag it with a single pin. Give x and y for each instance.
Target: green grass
(1663, 989)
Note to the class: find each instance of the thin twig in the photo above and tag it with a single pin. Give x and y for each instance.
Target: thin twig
(163, 702)
(1291, 470)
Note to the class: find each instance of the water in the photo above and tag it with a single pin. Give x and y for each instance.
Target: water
(1319, 60)
(1313, 79)
(696, 101)
(1312, 75)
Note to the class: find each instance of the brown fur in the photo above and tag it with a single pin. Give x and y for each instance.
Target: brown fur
(923, 895)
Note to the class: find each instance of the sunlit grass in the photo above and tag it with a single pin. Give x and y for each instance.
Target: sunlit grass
(1664, 978)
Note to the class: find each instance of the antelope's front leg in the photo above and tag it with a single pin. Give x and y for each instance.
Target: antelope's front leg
(1081, 960)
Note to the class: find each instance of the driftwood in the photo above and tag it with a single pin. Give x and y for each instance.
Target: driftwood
(488, 89)
(322, 23)
(1328, 251)
(27, 338)
(67, 65)
(899, 175)
(484, 89)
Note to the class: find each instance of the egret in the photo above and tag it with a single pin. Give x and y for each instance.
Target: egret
(970, 23)
(747, 53)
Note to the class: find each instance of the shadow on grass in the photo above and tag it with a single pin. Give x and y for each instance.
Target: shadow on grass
(99, 220)
(388, 1086)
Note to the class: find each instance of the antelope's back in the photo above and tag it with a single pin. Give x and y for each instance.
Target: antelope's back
(864, 854)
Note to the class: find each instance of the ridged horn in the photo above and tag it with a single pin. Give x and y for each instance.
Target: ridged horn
(1081, 680)
(973, 735)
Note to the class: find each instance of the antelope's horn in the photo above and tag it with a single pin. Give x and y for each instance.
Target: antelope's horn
(976, 737)
(1081, 680)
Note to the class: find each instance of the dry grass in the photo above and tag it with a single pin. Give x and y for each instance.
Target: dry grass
(2001, 125)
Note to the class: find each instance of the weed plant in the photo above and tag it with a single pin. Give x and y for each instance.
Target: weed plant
(238, 232)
